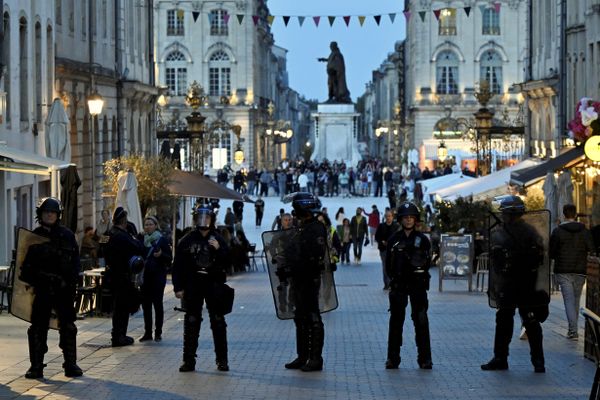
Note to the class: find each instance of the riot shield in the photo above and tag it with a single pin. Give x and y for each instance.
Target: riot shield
(23, 294)
(519, 260)
(275, 244)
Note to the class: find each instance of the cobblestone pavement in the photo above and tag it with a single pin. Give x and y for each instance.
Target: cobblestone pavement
(462, 327)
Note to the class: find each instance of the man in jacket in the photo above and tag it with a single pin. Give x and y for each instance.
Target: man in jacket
(358, 230)
(123, 254)
(259, 209)
(408, 258)
(201, 259)
(52, 269)
(570, 244)
(382, 235)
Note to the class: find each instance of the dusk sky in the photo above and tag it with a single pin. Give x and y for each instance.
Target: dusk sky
(364, 48)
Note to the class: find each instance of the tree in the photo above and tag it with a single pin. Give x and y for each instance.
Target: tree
(152, 175)
(462, 213)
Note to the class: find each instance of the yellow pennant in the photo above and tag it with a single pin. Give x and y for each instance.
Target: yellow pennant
(270, 19)
(361, 19)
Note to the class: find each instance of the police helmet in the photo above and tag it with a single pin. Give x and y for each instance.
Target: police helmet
(512, 205)
(304, 202)
(136, 264)
(408, 208)
(202, 216)
(49, 204)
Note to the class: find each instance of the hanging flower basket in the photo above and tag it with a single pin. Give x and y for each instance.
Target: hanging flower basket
(586, 123)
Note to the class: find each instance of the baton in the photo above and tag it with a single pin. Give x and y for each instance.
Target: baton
(179, 309)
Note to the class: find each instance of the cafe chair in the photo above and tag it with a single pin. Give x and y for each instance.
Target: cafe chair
(483, 269)
(255, 255)
(6, 287)
(593, 322)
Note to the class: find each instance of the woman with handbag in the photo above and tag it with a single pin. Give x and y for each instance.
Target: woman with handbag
(158, 257)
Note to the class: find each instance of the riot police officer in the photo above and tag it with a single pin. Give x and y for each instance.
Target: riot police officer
(408, 257)
(123, 257)
(516, 253)
(52, 268)
(201, 259)
(305, 259)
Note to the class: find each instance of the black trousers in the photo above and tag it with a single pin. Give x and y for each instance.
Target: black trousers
(259, 217)
(504, 332)
(419, 305)
(310, 332)
(153, 291)
(122, 292)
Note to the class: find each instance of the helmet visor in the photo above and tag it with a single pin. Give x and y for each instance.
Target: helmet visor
(203, 220)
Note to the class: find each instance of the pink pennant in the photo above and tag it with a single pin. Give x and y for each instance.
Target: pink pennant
(347, 20)
(437, 14)
(226, 18)
(497, 6)
(255, 19)
(407, 15)
(317, 20)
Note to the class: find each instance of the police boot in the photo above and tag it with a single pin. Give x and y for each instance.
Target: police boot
(68, 344)
(534, 334)
(317, 339)
(191, 332)
(302, 336)
(37, 348)
(495, 364)
(219, 331)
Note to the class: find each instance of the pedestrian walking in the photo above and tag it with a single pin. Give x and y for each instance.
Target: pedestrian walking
(373, 223)
(408, 257)
(52, 269)
(358, 230)
(259, 209)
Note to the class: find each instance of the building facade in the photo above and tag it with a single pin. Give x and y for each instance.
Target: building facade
(226, 47)
(451, 46)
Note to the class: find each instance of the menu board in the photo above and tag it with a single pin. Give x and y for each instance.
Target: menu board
(456, 257)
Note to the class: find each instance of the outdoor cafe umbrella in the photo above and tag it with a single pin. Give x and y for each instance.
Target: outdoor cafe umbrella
(550, 189)
(565, 191)
(127, 197)
(57, 136)
(69, 182)
(190, 184)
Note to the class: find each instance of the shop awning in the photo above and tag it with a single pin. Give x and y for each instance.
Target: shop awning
(529, 176)
(26, 162)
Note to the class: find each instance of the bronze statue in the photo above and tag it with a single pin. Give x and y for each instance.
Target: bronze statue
(336, 76)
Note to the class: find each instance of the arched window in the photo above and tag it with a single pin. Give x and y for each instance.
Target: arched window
(491, 70)
(23, 71)
(491, 22)
(447, 73)
(219, 74)
(218, 22)
(176, 73)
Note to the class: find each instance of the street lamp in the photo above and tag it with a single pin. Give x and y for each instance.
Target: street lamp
(195, 122)
(442, 151)
(398, 127)
(280, 131)
(95, 104)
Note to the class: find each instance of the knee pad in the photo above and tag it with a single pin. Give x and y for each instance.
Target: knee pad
(218, 321)
(68, 329)
(192, 319)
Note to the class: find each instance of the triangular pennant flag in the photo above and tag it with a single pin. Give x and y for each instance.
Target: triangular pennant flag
(467, 10)
(317, 20)
(331, 20)
(347, 20)
(377, 19)
(361, 19)
(179, 13)
(497, 6)
(240, 18)
(437, 14)
(255, 19)
(407, 15)
(195, 15)
(270, 19)
(422, 15)
(226, 18)
(301, 20)
(392, 17)
(210, 18)
(482, 8)
(286, 19)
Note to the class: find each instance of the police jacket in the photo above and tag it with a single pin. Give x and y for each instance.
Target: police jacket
(307, 251)
(383, 234)
(408, 259)
(570, 244)
(121, 247)
(196, 259)
(517, 255)
(53, 265)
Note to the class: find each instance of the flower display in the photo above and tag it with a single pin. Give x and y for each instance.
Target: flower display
(585, 123)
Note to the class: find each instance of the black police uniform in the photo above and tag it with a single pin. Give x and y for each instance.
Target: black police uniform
(199, 270)
(306, 259)
(517, 250)
(407, 264)
(52, 269)
(121, 247)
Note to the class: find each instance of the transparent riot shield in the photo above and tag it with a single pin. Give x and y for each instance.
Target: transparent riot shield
(23, 294)
(519, 260)
(278, 247)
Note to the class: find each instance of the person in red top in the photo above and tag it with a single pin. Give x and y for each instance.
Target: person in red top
(374, 220)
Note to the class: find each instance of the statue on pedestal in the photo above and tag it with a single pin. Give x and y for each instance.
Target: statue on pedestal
(336, 76)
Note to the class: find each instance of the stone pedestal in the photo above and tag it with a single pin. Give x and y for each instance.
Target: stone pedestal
(336, 129)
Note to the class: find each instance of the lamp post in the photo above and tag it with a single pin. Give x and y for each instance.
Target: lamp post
(442, 151)
(398, 129)
(279, 131)
(95, 104)
(195, 122)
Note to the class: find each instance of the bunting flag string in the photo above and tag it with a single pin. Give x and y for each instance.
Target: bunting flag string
(437, 14)
(270, 19)
(317, 20)
(286, 20)
(377, 19)
(347, 20)
(467, 10)
(255, 19)
(240, 18)
(422, 15)
(226, 18)
(195, 15)
(497, 6)
(301, 21)
(361, 19)
(331, 20)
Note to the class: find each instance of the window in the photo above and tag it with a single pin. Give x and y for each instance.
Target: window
(7, 70)
(58, 12)
(218, 22)
(175, 23)
(491, 70)
(176, 74)
(447, 73)
(23, 71)
(219, 74)
(491, 22)
(38, 65)
(447, 22)
(223, 144)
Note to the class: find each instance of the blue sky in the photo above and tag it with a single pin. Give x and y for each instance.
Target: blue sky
(364, 48)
